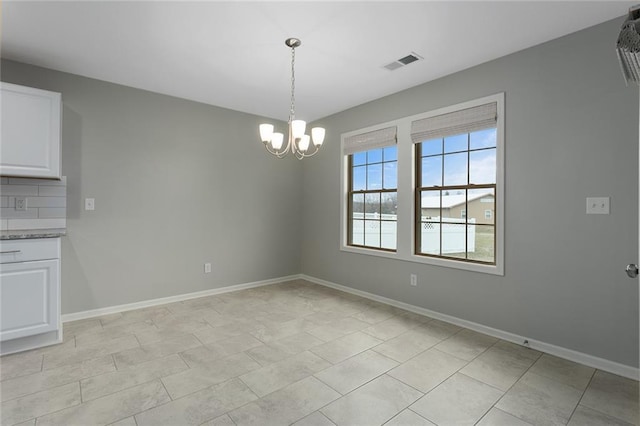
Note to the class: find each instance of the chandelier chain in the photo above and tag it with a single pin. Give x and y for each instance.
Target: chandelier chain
(292, 111)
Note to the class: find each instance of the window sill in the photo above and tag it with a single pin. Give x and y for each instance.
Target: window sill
(445, 263)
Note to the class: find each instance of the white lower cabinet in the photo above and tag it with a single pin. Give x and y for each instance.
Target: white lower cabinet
(29, 294)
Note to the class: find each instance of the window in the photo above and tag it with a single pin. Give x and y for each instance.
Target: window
(428, 188)
(456, 171)
(373, 190)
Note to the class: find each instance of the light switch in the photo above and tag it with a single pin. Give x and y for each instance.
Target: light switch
(89, 203)
(597, 205)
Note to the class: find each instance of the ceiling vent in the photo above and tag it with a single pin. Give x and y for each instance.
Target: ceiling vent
(409, 59)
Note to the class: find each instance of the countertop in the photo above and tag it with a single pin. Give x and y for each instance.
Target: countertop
(24, 234)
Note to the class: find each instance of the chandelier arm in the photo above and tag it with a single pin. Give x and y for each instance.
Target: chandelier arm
(279, 154)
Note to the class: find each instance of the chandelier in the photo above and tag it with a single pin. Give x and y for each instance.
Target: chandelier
(298, 142)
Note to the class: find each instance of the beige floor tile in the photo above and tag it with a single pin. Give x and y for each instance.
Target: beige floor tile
(407, 345)
(110, 408)
(466, 344)
(276, 376)
(613, 395)
(38, 404)
(498, 368)
(408, 418)
(130, 357)
(460, 400)
(25, 385)
(151, 313)
(324, 317)
(314, 419)
(539, 400)
(214, 334)
(270, 333)
(104, 335)
(287, 405)
(375, 315)
(564, 371)
(390, 328)
(517, 352)
(220, 349)
(77, 355)
(105, 384)
(584, 416)
(338, 328)
(356, 371)
(439, 329)
(31, 422)
(224, 420)
(158, 335)
(283, 348)
(128, 421)
(497, 417)
(208, 374)
(21, 364)
(345, 347)
(427, 370)
(77, 328)
(372, 404)
(199, 407)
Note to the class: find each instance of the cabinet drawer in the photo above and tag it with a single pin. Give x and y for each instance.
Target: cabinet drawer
(12, 251)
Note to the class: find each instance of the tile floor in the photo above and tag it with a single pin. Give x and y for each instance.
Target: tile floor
(302, 354)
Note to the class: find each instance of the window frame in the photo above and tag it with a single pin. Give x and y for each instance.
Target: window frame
(406, 190)
(380, 191)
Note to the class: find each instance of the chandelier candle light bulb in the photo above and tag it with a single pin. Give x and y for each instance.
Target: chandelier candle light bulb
(297, 141)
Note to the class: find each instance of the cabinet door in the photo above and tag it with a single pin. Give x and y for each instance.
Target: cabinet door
(29, 298)
(30, 132)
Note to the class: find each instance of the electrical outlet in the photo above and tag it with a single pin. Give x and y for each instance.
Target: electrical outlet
(21, 204)
(207, 268)
(89, 203)
(597, 205)
(414, 280)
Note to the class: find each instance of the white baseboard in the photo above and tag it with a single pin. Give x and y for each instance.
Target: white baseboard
(582, 358)
(171, 299)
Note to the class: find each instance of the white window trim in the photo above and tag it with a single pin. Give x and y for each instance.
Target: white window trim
(405, 250)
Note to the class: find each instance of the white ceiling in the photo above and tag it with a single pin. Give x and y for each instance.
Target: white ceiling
(232, 54)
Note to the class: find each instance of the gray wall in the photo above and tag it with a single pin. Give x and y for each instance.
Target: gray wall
(176, 184)
(571, 132)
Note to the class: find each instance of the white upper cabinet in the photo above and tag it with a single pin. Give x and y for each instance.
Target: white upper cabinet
(30, 145)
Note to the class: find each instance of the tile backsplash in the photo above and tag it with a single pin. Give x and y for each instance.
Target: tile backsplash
(46, 203)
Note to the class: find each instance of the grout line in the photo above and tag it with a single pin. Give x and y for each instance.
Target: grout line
(582, 395)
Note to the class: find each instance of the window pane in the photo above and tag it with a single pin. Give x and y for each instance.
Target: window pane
(388, 234)
(389, 205)
(357, 206)
(359, 178)
(430, 204)
(374, 176)
(390, 178)
(482, 243)
(391, 153)
(482, 166)
(432, 171)
(430, 237)
(454, 240)
(372, 233)
(482, 139)
(456, 143)
(455, 169)
(431, 147)
(480, 201)
(357, 232)
(359, 158)
(454, 204)
(374, 156)
(372, 206)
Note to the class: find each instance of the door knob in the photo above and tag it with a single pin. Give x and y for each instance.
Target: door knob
(632, 270)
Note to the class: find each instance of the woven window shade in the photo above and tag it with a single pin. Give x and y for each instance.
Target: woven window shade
(455, 123)
(370, 140)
